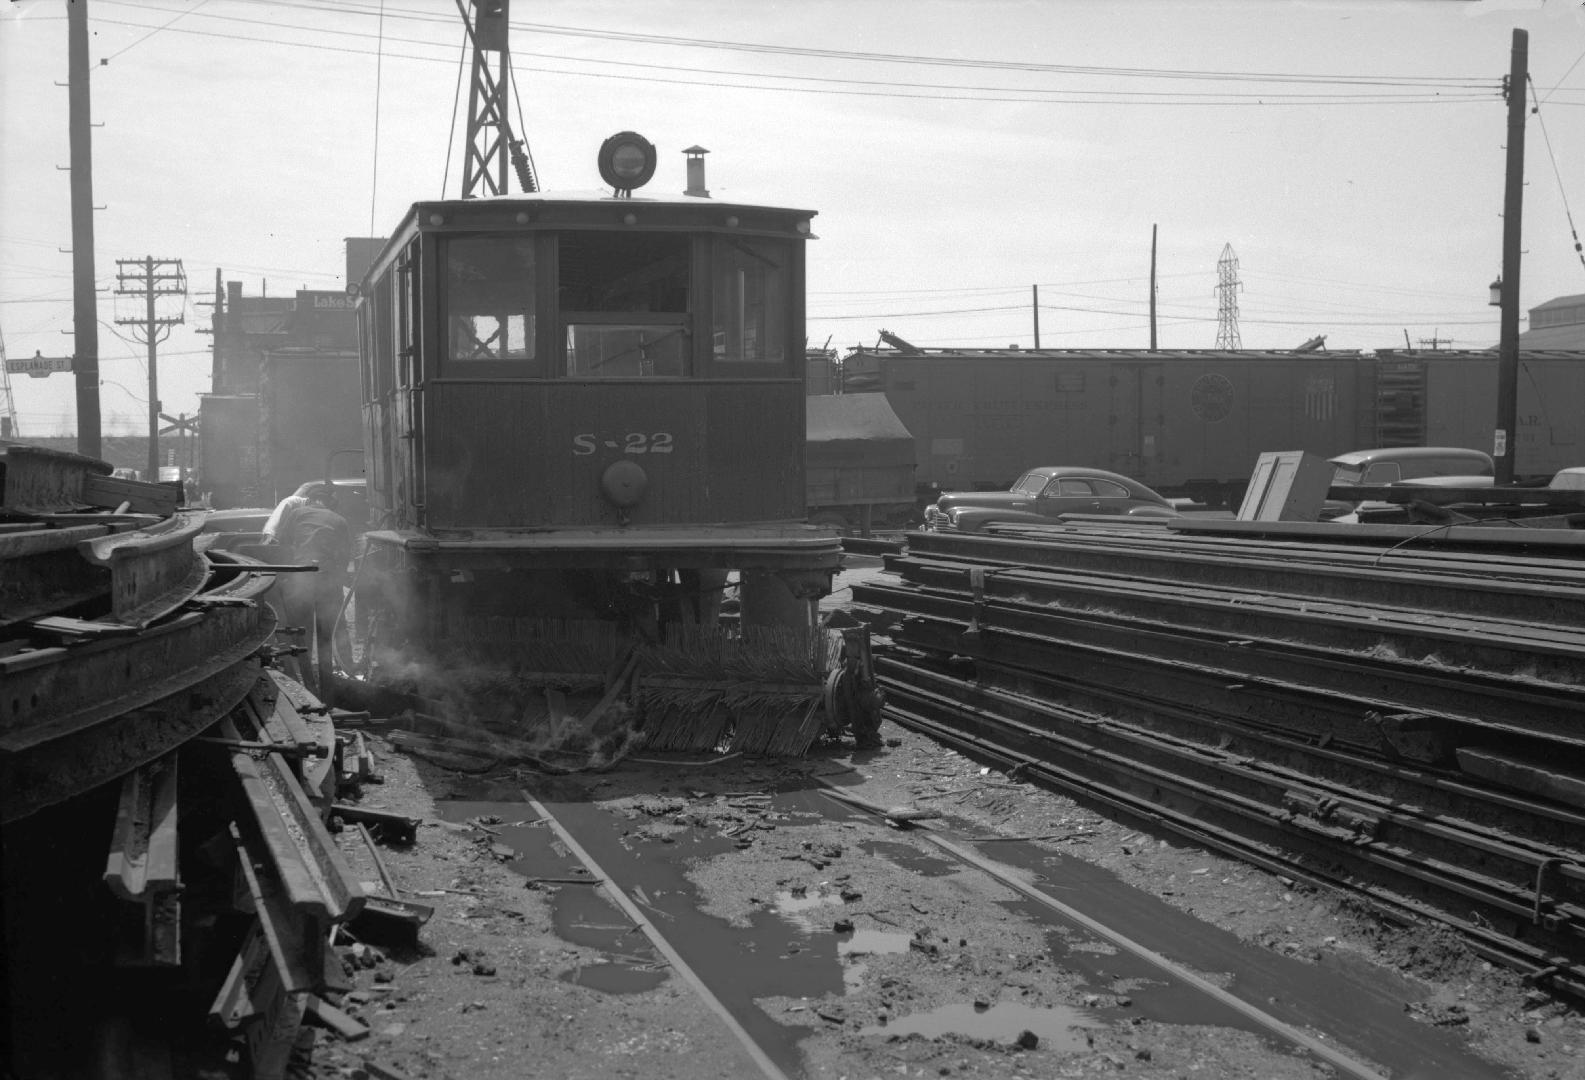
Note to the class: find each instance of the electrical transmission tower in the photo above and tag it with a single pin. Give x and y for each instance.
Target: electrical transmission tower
(1227, 300)
(149, 278)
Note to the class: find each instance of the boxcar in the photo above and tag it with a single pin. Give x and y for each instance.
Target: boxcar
(1193, 423)
(1184, 422)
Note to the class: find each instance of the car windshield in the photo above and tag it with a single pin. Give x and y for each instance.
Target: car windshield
(1031, 484)
(1348, 474)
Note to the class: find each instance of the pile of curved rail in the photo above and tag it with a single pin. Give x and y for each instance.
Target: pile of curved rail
(1405, 724)
(119, 640)
(135, 656)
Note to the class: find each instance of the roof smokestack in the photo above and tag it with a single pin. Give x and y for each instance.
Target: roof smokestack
(696, 172)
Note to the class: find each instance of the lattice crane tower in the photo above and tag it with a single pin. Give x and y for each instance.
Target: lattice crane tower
(1227, 300)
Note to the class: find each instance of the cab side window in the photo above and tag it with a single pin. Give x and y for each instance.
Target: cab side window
(752, 301)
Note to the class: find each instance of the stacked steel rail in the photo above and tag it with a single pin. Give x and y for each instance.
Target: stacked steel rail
(1381, 709)
(138, 703)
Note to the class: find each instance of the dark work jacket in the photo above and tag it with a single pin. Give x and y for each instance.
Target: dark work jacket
(321, 536)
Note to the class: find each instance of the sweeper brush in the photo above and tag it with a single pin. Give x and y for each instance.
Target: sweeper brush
(564, 684)
(706, 689)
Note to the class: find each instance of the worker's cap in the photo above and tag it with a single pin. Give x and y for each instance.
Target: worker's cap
(324, 493)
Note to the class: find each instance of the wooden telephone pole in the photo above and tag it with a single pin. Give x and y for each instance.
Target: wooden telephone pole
(85, 314)
(1152, 288)
(149, 278)
(1505, 436)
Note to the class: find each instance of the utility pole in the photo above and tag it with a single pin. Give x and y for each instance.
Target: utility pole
(152, 278)
(1506, 436)
(8, 411)
(1036, 289)
(85, 314)
(1152, 288)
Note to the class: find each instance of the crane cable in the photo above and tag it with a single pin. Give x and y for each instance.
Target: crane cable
(456, 103)
(528, 175)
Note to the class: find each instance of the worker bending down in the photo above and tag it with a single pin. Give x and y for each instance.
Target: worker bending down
(314, 533)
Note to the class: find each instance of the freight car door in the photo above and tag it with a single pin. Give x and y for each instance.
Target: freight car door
(1135, 428)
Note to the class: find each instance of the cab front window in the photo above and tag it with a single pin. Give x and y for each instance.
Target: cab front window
(490, 302)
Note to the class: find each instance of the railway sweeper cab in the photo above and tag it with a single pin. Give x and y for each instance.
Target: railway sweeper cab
(584, 426)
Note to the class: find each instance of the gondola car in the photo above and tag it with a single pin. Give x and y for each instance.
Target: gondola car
(584, 420)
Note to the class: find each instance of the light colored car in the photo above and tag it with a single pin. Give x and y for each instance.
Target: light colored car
(1428, 466)
(1045, 495)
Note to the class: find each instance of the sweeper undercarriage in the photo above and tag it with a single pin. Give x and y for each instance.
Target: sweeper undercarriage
(665, 649)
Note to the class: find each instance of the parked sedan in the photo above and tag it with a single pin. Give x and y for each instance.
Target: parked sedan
(1044, 495)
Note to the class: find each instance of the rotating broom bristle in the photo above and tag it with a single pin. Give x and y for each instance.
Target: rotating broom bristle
(705, 689)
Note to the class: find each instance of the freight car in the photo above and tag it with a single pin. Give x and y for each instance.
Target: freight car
(582, 413)
(1192, 423)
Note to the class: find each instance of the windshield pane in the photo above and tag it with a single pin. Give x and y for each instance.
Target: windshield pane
(1029, 484)
(610, 351)
(623, 272)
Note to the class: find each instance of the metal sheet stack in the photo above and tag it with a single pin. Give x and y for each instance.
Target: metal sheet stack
(1393, 710)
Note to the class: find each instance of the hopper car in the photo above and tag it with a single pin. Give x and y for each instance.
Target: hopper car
(1192, 423)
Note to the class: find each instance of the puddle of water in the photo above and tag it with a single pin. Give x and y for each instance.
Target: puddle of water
(803, 910)
(911, 858)
(615, 978)
(872, 942)
(1058, 1027)
(852, 947)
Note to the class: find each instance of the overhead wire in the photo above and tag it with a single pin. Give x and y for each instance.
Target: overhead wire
(1579, 249)
(1425, 89)
(633, 37)
(151, 33)
(379, 67)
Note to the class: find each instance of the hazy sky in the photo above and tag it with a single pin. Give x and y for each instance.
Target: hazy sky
(958, 152)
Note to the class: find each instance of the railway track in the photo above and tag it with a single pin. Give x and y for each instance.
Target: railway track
(1404, 726)
(576, 844)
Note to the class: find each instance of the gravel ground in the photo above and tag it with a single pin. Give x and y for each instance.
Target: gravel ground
(495, 987)
(486, 993)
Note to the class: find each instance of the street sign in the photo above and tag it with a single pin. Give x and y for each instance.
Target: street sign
(187, 425)
(37, 366)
